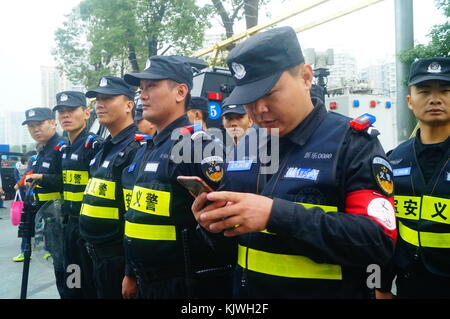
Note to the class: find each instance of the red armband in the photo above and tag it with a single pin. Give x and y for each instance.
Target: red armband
(375, 206)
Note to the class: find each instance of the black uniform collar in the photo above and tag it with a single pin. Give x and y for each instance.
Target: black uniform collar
(420, 147)
(158, 138)
(80, 136)
(51, 143)
(306, 128)
(125, 133)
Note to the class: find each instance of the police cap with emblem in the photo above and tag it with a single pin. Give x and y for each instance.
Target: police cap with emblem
(112, 85)
(160, 67)
(38, 114)
(430, 69)
(258, 62)
(232, 108)
(72, 99)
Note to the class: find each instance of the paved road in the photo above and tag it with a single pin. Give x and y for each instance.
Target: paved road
(41, 282)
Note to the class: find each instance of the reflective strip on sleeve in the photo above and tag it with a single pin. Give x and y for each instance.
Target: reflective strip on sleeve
(150, 232)
(408, 207)
(101, 188)
(436, 209)
(99, 212)
(431, 240)
(127, 195)
(74, 197)
(327, 209)
(45, 197)
(75, 177)
(291, 266)
(151, 201)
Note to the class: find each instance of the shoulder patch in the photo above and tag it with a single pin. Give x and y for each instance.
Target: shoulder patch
(212, 168)
(383, 174)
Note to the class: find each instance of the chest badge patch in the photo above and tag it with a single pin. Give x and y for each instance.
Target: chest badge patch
(302, 173)
(212, 168)
(382, 172)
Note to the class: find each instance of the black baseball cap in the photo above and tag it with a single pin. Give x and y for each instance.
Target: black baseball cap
(198, 103)
(233, 108)
(159, 67)
(430, 69)
(258, 62)
(72, 99)
(38, 114)
(112, 85)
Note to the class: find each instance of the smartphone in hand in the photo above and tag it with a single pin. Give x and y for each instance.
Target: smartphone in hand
(194, 184)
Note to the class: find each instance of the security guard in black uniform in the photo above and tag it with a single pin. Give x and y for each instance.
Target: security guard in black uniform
(47, 174)
(162, 246)
(309, 227)
(422, 182)
(76, 156)
(101, 217)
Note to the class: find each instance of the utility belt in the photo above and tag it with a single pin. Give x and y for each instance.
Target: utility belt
(146, 274)
(102, 252)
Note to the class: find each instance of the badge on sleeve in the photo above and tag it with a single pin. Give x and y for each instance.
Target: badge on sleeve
(212, 168)
(383, 174)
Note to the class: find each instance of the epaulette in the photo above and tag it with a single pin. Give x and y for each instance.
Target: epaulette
(364, 123)
(60, 146)
(91, 142)
(142, 137)
(191, 129)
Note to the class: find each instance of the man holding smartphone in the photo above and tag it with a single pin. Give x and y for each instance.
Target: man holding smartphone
(161, 243)
(311, 228)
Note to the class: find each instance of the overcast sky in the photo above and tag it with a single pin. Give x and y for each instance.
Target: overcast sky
(28, 26)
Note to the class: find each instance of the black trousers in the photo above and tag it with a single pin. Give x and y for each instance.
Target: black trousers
(206, 286)
(73, 246)
(418, 283)
(108, 270)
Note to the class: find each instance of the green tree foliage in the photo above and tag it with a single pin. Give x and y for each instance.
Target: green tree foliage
(439, 45)
(112, 37)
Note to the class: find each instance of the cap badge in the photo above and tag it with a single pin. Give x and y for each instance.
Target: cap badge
(232, 106)
(63, 98)
(31, 113)
(103, 82)
(239, 70)
(434, 68)
(148, 64)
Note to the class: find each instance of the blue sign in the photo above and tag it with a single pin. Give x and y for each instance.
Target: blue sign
(214, 110)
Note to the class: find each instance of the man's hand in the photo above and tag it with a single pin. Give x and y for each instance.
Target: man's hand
(129, 288)
(2, 191)
(202, 205)
(242, 213)
(34, 177)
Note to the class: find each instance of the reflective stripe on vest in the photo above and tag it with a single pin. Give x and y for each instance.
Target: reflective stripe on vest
(291, 266)
(151, 201)
(408, 207)
(73, 197)
(75, 177)
(433, 240)
(435, 209)
(150, 232)
(101, 188)
(45, 197)
(99, 212)
(127, 195)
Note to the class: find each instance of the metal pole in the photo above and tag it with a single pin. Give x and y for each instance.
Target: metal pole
(404, 39)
